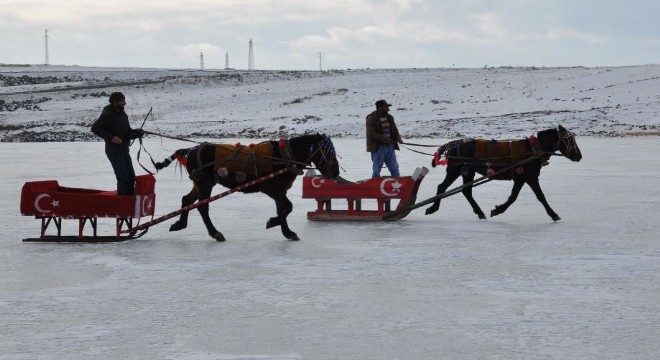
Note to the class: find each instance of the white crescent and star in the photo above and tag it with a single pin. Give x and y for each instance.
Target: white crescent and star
(146, 207)
(396, 187)
(54, 203)
(318, 184)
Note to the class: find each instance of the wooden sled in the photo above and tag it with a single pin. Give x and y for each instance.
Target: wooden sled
(48, 201)
(384, 190)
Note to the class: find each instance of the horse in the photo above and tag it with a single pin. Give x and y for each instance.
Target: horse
(235, 165)
(517, 160)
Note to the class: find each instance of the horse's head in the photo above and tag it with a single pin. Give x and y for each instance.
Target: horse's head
(567, 145)
(559, 139)
(317, 149)
(323, 155)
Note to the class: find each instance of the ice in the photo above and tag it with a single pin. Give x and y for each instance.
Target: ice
(444, 286)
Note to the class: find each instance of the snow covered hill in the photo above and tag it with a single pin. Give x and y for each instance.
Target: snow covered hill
(59, 103)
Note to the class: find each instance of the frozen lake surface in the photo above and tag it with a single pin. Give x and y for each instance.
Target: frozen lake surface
(445, 286)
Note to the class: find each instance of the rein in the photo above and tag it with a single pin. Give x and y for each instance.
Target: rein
(172, 137)
(142, 145)
(417, 151)
(422, 145)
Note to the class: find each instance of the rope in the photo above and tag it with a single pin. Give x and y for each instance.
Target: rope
(150, 158)
(422, 145)
(171, 137)
(416, 151)
(142, 145)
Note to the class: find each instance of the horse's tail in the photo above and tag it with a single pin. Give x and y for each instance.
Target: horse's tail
(181, 155)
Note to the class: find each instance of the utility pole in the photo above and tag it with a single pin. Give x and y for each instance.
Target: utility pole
(227, 60)
(320, 62)
(46, 47)
(201, 61)
(251, 56)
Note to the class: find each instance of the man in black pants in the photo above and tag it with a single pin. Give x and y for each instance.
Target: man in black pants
(113, 127)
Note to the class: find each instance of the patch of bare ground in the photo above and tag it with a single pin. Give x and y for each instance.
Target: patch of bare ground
(641, 133)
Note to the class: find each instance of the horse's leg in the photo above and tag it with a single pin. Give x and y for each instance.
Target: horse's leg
(467, 192)
(205, 187)
(517, 185)
(186, 200)
(276, 220)
(452, 174)
(284, 208)
(536, 187)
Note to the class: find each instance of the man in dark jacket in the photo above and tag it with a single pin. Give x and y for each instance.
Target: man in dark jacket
(382, 139)
(113, 127)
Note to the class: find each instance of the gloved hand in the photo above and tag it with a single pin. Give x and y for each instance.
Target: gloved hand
(140, 133)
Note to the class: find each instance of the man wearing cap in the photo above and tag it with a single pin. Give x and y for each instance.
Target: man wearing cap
(383, 139)
(113, 127)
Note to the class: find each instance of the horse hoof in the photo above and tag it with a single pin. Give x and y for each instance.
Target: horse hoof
(482, 216)
(556, 217)
(218, 237)
(293, 237)
(272, 222)
(431, 210)
(177, 226)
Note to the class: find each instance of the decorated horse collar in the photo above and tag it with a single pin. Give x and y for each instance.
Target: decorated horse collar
(287, 155)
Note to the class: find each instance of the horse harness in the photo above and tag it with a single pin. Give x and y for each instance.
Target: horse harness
(502, 153)
(255, 159)
(494, 153)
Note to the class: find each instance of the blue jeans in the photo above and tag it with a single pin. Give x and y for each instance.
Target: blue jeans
(123, 167)
(384, 155)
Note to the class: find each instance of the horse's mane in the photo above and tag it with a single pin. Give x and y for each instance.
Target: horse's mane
(546, 132)
(307, 137)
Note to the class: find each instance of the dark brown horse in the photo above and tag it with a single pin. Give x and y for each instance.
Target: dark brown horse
(235, 165)
(488, 157)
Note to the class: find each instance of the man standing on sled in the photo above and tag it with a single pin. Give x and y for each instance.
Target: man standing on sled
(383, 139)
(113, 127)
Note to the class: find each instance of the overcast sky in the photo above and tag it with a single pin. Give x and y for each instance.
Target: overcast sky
(290, 34)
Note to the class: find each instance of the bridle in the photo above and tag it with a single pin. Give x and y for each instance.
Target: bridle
(564, 138)
(326, 151)
(567, 139)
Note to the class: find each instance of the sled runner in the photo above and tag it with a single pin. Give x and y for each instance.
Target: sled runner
(50, 202)
(384, 190)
